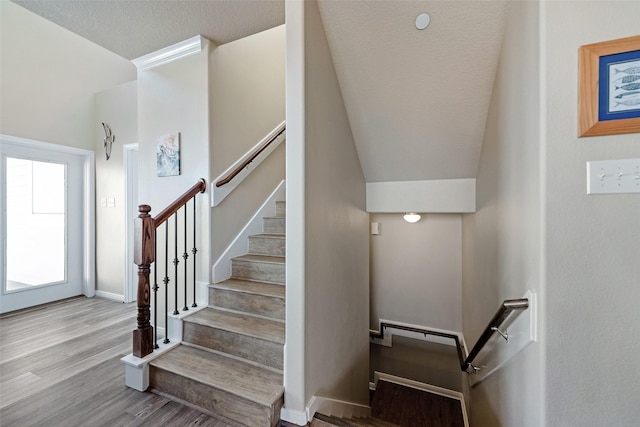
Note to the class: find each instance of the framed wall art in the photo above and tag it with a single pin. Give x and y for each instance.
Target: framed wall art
(168, 155)
(609, 87)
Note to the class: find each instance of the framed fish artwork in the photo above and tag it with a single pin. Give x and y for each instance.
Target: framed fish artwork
(609, 87)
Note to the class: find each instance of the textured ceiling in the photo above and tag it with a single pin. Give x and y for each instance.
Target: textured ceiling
(417, 100)
(133, 28)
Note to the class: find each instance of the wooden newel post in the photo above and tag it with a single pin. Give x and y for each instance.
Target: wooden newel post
(143, 257)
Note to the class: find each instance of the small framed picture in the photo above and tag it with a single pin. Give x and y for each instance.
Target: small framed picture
(609, 87)
(168, 155)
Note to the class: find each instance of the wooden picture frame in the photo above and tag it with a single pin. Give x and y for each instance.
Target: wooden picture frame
(608, 106)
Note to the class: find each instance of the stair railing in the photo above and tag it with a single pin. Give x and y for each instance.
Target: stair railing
(506, 308)
(279, 131)
(145, 253)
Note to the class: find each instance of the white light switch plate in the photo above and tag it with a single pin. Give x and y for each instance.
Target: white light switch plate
(613, 176)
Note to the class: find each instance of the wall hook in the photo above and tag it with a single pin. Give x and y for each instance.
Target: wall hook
(108, 140)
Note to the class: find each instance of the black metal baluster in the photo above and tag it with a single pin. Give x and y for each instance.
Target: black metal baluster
(175, 262)
(166, 283)
(155, 289)
(185, 255)
(194, 251)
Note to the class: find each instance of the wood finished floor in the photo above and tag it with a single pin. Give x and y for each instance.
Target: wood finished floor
(60, 366)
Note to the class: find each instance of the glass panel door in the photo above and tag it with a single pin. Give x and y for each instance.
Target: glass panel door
(42, 211)
(36, 223)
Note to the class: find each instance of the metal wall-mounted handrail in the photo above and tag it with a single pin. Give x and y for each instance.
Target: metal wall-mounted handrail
(506, 308)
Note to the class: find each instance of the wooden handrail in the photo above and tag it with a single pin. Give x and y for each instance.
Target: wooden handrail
(253, 156)
(199, 187)
(144, 256)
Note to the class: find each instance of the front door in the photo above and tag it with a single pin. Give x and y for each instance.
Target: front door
(42, 226)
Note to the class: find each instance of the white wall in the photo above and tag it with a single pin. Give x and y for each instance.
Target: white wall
(502, 240)
(416, 271)
(336, 234)
(327, 350)
(592, 242)
(247, 101)
(48, 76)
(174, 98)
(117, 107)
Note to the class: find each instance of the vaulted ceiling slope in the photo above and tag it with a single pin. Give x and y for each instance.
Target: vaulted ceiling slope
(417, 100)
(133, 28)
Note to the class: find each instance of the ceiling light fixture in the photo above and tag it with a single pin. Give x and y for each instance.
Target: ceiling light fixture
(411, 217)
(422, 21)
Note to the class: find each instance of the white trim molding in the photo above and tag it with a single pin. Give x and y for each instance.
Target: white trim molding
(171, 53)
(110, 296)
(431, 196)
(298, 418)
(218, 194)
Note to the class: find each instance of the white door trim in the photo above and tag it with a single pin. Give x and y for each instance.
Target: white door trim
(130, 209)
(89, 169)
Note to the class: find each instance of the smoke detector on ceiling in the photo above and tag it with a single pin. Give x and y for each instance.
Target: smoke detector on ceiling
(422, 21)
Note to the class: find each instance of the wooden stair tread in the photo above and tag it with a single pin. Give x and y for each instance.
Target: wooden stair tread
(234, 376)
(252, 287)
(268, 259)
(244, 324)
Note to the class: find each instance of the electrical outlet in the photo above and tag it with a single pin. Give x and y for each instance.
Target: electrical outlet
(103, 202)
(613, 176)
(111, 202)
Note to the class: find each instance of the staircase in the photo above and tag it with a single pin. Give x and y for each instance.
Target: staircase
(231, 358)
(397, 405)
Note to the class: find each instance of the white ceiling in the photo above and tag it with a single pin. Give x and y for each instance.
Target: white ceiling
(417, 100)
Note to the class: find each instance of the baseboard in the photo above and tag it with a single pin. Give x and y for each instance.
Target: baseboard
(451, 394)
(110, 296)
(298, 418)
(221, 269)
(337, 408)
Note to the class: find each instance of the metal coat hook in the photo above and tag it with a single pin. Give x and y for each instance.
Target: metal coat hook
(108, 140)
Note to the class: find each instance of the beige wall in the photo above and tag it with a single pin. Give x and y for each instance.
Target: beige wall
(502, 240)
(174, 98)
(592, 242)
(416, 271)
(247, 101)
(48, 76)
(336, 234)
(118, 107)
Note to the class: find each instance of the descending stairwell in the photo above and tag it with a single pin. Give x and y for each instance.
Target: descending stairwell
(231, 358)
